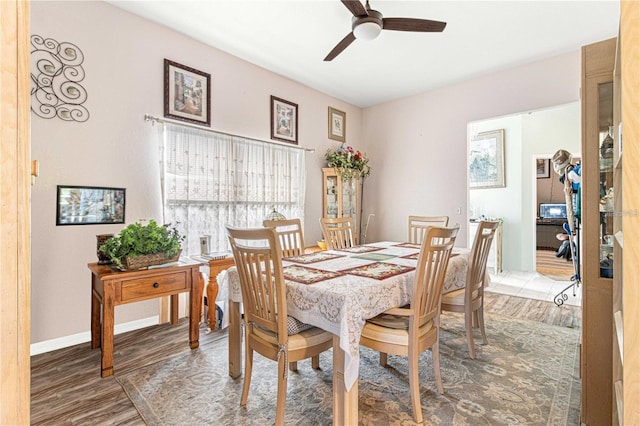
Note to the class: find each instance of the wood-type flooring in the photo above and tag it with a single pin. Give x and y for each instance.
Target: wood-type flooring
(556, 268)
(66, 387)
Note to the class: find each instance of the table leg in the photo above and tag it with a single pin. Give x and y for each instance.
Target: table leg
(345, 402)
(195, 298)
(235, 361)
(174, 309)
(212, 294)
(95, 315)
(108, 310)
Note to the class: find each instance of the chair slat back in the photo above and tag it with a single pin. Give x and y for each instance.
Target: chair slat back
(476, 271)
(418, 226)
(259, 262)
(289, 232)
(338, 232)
(430, 274)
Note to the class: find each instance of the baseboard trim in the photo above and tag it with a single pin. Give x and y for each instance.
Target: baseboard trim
(85, 336)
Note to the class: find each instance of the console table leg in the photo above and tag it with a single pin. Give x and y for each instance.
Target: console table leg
(95, 317)
(108, 310)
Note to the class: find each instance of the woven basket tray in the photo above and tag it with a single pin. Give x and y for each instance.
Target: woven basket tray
(145, 260)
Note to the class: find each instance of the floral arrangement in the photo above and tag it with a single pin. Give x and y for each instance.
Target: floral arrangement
(349, 162)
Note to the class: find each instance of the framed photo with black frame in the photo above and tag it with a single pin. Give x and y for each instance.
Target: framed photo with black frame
(187, 94)
(284, 120)
(89, 205)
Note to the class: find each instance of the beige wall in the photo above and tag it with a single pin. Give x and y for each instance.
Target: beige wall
(418, 145)
(116, 147)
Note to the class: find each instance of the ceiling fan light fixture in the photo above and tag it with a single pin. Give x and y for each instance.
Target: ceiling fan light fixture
(367, 30)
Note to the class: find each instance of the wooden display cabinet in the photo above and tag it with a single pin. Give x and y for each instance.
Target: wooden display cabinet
(341, 198)
(597, 221)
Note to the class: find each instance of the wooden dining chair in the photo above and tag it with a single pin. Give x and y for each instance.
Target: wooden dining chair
(338, 232)
(412, 329)
(289, 232)
(418, 226)
(470, 299)
(268, 330)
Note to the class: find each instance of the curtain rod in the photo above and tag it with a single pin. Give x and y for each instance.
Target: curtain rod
(153, 119)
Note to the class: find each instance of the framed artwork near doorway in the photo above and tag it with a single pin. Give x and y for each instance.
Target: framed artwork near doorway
(486, 160)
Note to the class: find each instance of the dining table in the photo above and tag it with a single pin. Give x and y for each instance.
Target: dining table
(337, 291)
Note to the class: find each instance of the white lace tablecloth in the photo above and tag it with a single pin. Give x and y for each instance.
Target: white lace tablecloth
(341, 305)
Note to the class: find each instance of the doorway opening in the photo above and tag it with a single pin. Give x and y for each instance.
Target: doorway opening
(553, 253)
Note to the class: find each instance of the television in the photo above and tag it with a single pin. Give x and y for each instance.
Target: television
(553, 211)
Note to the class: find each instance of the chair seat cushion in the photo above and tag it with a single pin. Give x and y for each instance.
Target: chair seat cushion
(310, 337)
(456, 297)
(295, 326)
(392, 331)
(390, 321)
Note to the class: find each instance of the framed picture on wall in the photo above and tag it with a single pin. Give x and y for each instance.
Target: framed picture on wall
(89, 205)
(337, 124)
(486, 160)
(542, 168)
(284, 120)
(187, 94)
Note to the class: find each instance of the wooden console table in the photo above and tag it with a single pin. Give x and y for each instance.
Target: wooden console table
(110, 288)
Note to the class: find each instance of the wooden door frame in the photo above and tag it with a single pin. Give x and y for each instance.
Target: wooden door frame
(15, 213)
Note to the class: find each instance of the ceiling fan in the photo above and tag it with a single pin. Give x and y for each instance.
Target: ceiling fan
(367, 23)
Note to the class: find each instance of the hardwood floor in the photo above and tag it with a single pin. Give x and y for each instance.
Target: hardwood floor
(66, 387)
(556, 268)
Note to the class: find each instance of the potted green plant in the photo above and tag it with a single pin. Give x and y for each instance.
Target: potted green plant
(139, 245)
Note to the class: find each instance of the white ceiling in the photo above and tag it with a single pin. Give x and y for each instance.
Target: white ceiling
(292, 37)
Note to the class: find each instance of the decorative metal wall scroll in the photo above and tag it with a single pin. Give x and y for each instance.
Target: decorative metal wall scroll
(55, 82)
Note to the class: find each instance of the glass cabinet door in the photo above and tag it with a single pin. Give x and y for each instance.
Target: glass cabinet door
(349, 201)
(331, 196)
(606, 206)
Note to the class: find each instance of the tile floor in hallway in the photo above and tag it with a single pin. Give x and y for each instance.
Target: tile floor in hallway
(533, 285)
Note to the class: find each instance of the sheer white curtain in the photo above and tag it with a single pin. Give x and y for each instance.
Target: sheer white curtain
(210, 180)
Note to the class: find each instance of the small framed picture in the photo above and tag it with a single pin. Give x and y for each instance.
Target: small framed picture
(89, 205)
(187, 94)
(542, 168)
(284, 120)
(337, 124)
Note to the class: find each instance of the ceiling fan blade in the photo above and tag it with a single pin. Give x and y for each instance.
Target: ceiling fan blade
(340, 46)
(355, 7)
(413, 24)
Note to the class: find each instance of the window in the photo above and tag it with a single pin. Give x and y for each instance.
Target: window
(211, 180)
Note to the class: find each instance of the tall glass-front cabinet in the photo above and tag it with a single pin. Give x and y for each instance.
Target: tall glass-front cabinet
(341, 197)
(597, 216)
